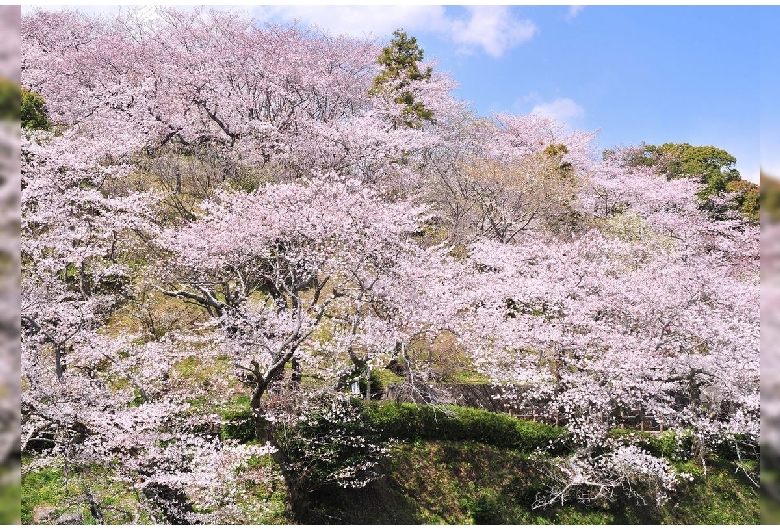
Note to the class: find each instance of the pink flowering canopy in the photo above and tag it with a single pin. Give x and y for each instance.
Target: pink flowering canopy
(235, 197)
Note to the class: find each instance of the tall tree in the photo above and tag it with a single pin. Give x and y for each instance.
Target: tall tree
(280, 265)
(400, 70)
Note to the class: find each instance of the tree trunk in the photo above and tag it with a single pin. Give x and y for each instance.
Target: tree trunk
(59, 359)
(263, 430)
(297, 374)
(297, 499)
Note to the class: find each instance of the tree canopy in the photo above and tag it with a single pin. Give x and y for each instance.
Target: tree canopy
(713, 166)
(234, 224)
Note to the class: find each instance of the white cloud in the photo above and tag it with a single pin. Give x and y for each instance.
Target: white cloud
(531, 97)
(561, 109)
(573, 12)
(359, 21)
(493, 28)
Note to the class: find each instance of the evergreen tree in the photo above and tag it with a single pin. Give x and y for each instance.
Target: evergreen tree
(400, 67)
(33, 111)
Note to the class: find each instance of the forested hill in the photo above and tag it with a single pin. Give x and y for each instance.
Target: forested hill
(235, 237)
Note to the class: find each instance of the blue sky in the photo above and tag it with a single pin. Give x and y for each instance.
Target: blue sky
(654, 73)
(770, 90)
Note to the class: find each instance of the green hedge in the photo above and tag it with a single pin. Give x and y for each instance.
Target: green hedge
(410, 422)
(407, 421)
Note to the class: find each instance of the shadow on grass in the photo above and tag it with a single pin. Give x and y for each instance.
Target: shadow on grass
(455, 482)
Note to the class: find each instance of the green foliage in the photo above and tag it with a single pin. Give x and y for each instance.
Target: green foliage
(377, 386)
(409, 421)
(555, 152)
(748, 198)
(33, 111)
(399, 62)
(713, 166)
(10, 100)
(675, 446)
(238, 422)
(376, 379)
(678, 446)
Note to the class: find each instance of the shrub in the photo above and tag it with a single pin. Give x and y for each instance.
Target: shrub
(377, 387)
(675, 446)
(33, 111)
(325, 440)
(737, 447)
(410, 421)
(486, 509)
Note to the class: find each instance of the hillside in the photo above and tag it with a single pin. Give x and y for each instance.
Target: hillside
(240, 268)
(431, 479)
(474, 483)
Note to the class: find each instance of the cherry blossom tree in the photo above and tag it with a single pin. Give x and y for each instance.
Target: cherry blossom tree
(74, 231)
(294, 100)
(653, 309)
(298, 274)
(498, 177)
(262, 175)
(91, 399)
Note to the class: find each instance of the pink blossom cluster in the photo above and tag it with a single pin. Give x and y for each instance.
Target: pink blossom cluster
(324, 240)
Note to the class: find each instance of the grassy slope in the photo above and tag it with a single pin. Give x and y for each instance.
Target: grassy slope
(451, 482)
(437, 482)
(262, 502)
(10, 497)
